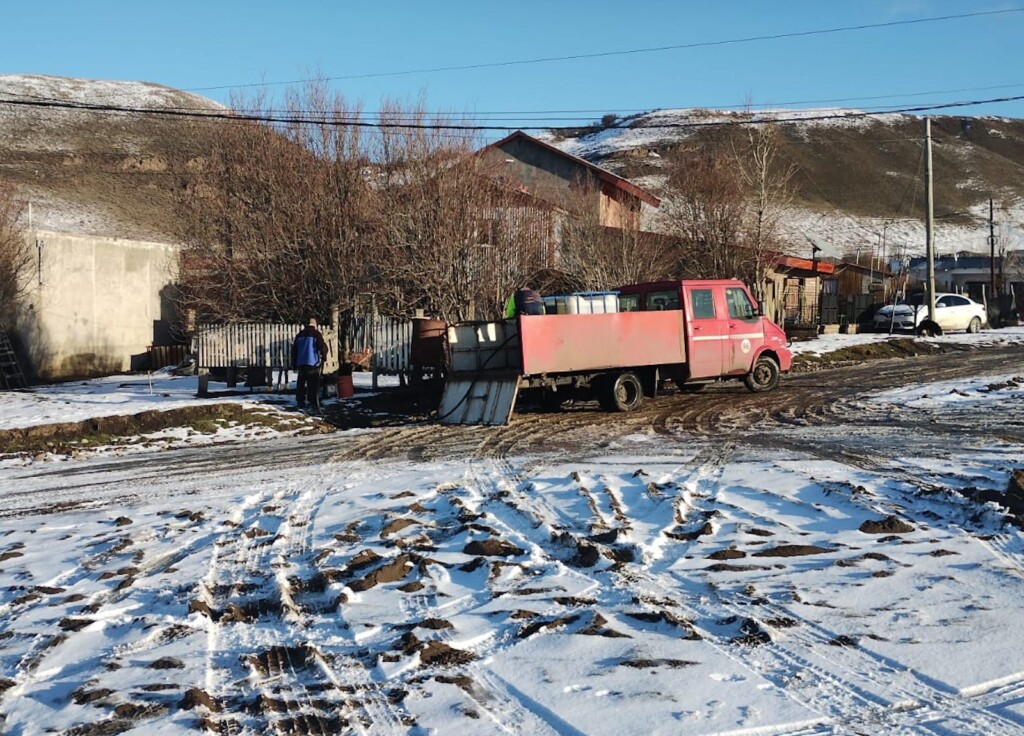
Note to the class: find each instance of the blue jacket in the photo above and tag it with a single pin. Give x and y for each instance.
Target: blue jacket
(309, 348)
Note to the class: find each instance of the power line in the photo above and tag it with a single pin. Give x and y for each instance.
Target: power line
(338, 121)
(626, 52)
(623, 113)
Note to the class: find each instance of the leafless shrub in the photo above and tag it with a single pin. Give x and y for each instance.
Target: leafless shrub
(456, 241)
(301, 217)
(278, 218)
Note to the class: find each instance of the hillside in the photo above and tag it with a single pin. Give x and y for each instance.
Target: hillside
(859, 182)
(857, 178)
(99, 173)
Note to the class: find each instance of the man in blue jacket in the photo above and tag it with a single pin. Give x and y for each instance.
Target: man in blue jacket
(309, 351)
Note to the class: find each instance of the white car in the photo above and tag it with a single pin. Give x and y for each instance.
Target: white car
(952, 312)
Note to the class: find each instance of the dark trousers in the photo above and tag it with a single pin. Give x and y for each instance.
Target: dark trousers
(307, 386)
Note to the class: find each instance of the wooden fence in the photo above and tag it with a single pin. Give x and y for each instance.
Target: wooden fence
(258, 348)
(262, 348)
(392, 338)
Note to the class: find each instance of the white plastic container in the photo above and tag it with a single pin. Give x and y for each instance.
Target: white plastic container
(592, 302)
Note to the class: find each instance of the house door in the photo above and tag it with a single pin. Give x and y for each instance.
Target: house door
(707, 333)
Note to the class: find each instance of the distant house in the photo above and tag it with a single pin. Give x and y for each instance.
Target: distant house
(860, 289)
(800, 291)
(963, 272)
(550, 174)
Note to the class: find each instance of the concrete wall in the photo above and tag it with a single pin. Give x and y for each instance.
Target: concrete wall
(95, 304)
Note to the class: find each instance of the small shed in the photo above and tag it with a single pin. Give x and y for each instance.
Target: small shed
(800, 291)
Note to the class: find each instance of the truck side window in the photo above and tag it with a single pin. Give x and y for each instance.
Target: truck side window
(739, 304)
(662, 300)
(702, 302)
(629, 302)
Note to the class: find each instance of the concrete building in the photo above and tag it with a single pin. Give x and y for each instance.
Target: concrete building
(95, 305)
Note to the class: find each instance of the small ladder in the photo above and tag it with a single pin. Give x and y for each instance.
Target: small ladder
(11, 376)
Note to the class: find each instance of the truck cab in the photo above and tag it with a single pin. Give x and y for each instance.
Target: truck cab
(725, 334)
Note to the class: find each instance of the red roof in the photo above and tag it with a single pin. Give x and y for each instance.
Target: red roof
(805, 264)
(604, 175)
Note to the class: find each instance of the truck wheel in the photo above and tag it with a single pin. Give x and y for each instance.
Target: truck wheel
(623, 392)
(764, 376)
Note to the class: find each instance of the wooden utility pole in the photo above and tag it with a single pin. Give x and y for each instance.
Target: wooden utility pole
(929, 222)
(992, 248)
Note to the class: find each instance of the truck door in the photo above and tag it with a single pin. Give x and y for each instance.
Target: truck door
(706, 333)
(746, 335)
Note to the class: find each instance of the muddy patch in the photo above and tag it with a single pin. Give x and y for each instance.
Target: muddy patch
(888, 525)
(68, 438)
(793, 550)
(493, 548)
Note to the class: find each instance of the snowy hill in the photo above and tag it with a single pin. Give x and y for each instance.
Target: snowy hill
(97, 172)
(859, 183)
(859, 186)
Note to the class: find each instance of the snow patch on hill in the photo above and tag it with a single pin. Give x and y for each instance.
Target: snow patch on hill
(836, 232)
(665, 126)
(37, 87)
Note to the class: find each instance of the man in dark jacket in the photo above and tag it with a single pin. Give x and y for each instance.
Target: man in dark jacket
(309, 351)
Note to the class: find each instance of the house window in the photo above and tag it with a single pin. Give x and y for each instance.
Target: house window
(702, 303)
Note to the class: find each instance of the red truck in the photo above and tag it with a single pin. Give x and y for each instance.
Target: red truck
(691, 332)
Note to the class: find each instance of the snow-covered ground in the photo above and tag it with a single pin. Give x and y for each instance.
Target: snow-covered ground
(131, 394)
(804, 579)
(825, 344)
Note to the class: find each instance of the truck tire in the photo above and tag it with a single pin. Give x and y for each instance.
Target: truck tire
(764, 376)
(623, 392)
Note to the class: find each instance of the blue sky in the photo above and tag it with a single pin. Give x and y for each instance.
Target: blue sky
(194, 45)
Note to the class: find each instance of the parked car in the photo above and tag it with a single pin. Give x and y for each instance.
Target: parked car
(952, 312)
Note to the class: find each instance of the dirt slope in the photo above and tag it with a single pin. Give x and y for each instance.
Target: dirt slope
(99, 173)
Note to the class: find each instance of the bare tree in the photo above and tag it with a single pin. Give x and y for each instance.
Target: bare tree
(704, 211)
(456, 240)
(15, 257)
(768, 183)
(602, 257)
(279, 215)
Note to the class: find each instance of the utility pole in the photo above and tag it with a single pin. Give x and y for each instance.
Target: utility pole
(992, 247)
(929, 222)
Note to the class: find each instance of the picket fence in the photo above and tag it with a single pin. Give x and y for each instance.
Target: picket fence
(387, 341)
(255, 345)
